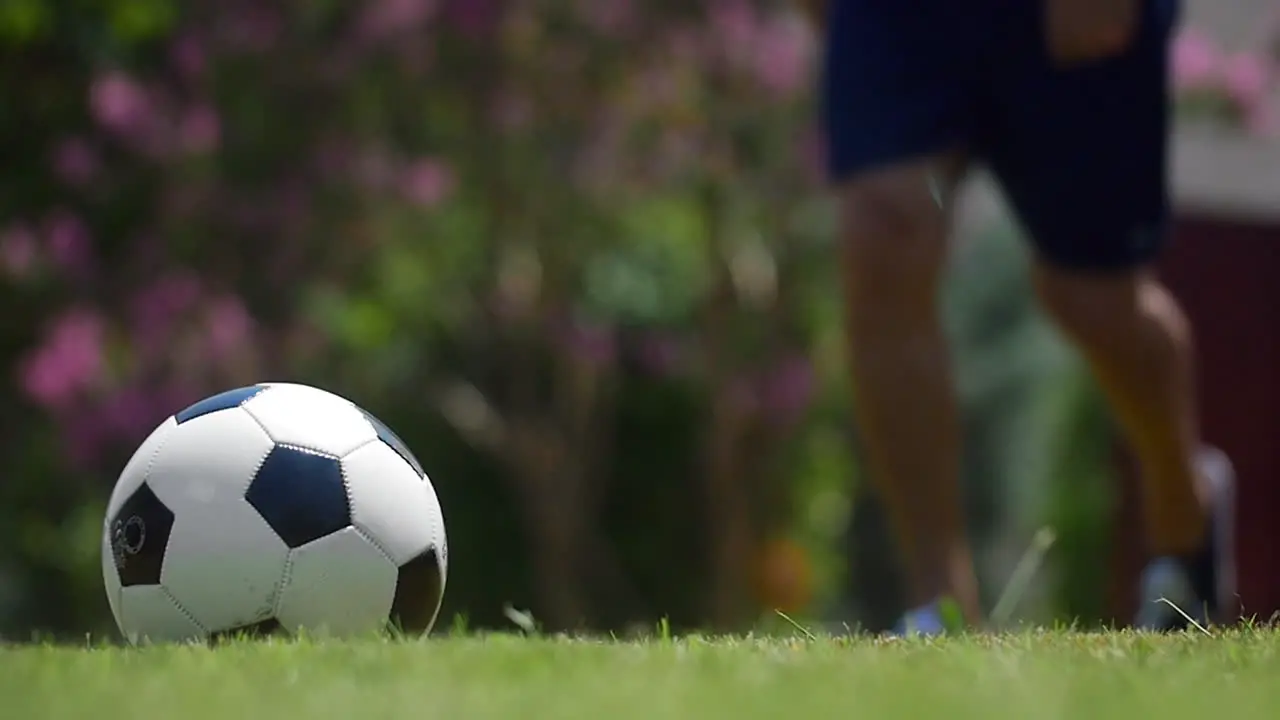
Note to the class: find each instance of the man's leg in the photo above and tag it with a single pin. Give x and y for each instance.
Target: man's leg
(1082, 157)
(893, 238)
(1138, 344)
(899, 91)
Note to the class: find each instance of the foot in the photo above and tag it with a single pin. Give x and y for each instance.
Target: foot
(1201, 584)
(924, 620)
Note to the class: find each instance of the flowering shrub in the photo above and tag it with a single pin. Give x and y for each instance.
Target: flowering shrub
(1237, 89)
(426, 204)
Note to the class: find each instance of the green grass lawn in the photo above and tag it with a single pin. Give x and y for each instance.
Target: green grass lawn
(1050, 675)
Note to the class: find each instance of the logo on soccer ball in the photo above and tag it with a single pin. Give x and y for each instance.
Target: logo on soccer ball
(128, 537)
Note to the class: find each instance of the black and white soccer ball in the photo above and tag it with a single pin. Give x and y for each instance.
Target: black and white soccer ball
(276, 507)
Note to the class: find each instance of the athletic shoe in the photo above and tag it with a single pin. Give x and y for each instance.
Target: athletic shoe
(1202, 584)
(924, 620)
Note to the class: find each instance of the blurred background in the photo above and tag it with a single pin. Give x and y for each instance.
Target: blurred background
(578, 254)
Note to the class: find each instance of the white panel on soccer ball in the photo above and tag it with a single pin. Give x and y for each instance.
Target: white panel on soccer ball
(224, 564)
(436, 517)
(310, 418)
(340, 585)
(110, 576)
(150, 607)
(209, 460)
(135, 472)
(390, 502)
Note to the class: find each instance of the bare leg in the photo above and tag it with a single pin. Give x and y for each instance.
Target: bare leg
(1138, 343)
(893, 233)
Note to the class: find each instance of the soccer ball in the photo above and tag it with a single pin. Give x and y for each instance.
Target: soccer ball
(276, 507)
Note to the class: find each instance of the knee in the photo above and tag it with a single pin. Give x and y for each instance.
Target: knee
(1103, 308)
(1158, 305)
(893, 244)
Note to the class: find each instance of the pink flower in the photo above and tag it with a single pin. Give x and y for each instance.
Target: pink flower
(386, 18)
(68, 241)
(75, 162)
(426, 182)
(68, 362)
(119, 103)
(18, 247)
(199, 129)
(1245, 78)
(1196, 61)
(228, 325)
(734, 24)
(782, 50)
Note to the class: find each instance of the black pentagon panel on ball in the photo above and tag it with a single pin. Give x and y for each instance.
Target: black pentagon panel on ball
(301, 494)
(139, 535)
(221, 401)
(419, 587)
(387, 436)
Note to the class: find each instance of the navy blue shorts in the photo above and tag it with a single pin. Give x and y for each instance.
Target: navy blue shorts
(1080, 153)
